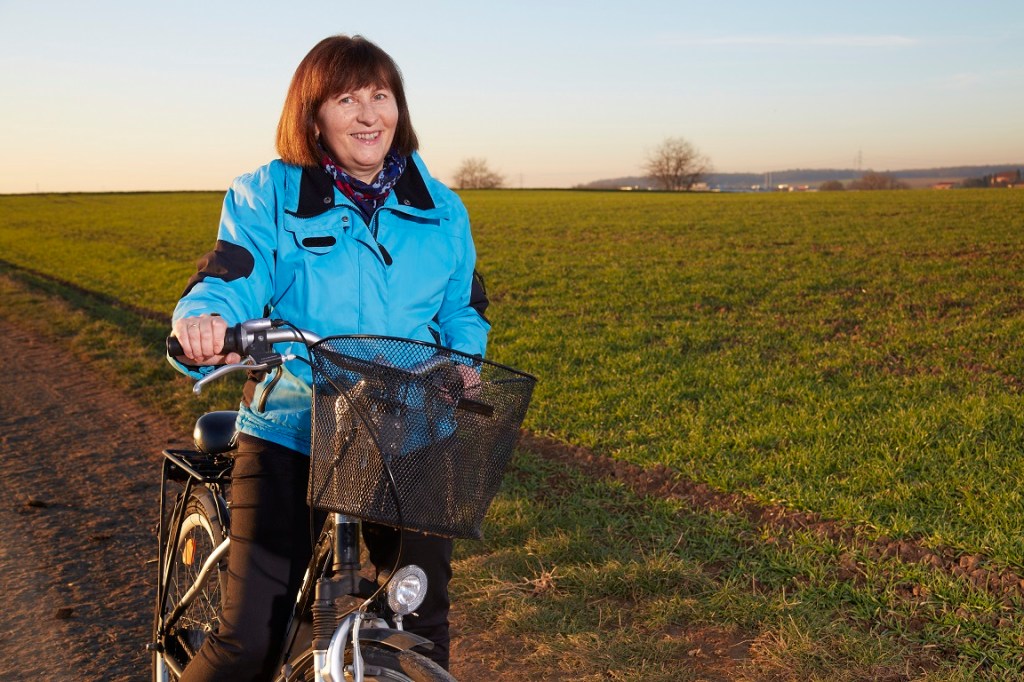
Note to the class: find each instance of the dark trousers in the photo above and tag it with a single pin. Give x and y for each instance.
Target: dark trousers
(270, 549)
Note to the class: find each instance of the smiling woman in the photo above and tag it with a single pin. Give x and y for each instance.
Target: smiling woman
(347, 233)
(334, 71)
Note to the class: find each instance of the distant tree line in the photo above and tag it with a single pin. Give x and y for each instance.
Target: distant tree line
(873, 180)
(677, 165)
(1005, 179)
(868, 181)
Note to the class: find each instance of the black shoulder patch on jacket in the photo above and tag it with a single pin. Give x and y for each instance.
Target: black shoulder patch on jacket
(227, 261)
(478, 295)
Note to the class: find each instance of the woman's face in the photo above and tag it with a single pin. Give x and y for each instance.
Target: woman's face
(357, 128)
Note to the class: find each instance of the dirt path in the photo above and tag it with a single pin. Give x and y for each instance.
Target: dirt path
(79, 464)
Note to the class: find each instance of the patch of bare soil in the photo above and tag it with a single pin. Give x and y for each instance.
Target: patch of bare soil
(79, 470)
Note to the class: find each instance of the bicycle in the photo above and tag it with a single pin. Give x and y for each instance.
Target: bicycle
(382, 408)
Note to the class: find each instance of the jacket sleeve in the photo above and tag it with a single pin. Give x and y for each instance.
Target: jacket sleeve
(236, 279)
(463, 325)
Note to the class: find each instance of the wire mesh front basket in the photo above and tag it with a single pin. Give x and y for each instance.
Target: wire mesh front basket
(432, 427)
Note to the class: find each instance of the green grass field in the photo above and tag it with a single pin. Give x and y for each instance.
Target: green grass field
(851, 354)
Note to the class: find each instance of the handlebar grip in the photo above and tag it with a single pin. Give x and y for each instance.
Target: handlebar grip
(476, 407)
(448, 378)
(232, 343)
(174, 347)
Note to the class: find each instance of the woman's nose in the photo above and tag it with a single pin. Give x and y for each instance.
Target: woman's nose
(367, 113)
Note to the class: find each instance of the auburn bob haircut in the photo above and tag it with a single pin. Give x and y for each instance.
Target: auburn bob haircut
(335, 65)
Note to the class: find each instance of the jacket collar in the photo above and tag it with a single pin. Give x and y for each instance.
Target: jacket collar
(316, 191)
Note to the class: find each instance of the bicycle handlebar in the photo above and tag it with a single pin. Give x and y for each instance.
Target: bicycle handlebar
(241, 337)
(253, 339)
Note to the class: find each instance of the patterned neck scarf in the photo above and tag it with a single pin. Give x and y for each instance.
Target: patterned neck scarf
(368, 197)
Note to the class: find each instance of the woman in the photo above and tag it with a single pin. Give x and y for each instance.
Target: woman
(346, 233)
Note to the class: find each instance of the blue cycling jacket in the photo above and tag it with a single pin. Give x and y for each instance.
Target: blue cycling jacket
(292, 246)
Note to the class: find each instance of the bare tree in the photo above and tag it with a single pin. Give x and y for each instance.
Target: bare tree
(676, 164)
(474, 174)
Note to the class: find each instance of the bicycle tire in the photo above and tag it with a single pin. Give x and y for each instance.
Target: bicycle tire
(382, 665)
(200, 532)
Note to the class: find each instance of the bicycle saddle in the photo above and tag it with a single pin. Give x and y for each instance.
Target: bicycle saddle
(215, 432)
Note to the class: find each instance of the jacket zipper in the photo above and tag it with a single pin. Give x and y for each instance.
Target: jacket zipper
(373, 232)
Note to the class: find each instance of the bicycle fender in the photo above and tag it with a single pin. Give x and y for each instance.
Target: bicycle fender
(399, 640)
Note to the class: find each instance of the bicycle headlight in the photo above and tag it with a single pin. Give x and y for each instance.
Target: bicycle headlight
(407, 589)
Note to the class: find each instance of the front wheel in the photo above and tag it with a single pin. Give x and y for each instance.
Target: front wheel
(381, 665)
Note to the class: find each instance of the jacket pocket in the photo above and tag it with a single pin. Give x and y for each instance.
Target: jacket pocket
(319, 235)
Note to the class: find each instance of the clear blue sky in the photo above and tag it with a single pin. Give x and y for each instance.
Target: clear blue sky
(106, 95)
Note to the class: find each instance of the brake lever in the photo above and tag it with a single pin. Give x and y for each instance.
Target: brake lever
(251, 363)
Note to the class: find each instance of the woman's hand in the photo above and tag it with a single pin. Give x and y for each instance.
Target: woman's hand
(455, 381)
(470, 380)
(202, 340)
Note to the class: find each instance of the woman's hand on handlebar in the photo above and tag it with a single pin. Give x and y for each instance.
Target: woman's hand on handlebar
(202, 340)
(457, 381)
(470, 380)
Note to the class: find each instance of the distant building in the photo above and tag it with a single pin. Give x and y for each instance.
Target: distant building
(1006, 179)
